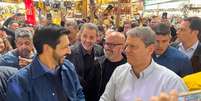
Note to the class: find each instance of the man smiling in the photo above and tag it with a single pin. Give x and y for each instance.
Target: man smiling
(49, 77)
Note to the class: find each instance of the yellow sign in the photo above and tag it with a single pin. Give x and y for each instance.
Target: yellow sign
(13, 1)
(40, 4)
(84, 8)
(104, 1)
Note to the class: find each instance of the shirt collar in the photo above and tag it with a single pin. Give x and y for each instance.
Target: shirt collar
(192, 48)
(146, 72)
(84, 51)
(37, 69)
(162, 55)
(46, 69)
(195, 45)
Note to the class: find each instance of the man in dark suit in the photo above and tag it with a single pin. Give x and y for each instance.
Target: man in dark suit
(188, 34)
(83, 56)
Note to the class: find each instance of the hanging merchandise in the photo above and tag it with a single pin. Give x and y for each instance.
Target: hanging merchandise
(30, 12)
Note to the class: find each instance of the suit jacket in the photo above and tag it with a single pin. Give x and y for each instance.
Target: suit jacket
(88, 81)
(196, 58)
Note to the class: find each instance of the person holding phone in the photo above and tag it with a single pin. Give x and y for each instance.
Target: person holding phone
(23, 54)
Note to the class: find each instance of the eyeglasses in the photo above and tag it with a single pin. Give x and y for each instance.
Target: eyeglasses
(112, 45)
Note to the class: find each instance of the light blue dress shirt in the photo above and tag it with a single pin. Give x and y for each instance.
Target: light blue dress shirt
(125, 86)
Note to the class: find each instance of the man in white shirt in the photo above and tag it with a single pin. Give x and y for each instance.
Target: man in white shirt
(188, 34)
(141, 77)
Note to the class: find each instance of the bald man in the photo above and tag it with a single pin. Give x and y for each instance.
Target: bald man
(113, 49)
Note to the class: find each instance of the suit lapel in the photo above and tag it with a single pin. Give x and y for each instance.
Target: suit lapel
(196, 59)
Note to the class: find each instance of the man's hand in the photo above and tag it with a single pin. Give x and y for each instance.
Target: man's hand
(172, 96)
(3, 34)
(23, 61)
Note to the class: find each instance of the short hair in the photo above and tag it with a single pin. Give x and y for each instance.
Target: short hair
(19, 14)
(90, 26)
(50, 35)
(162, 29)
(146, 34)
(195, 23)
(71, 23)
(11, 22)
(23, 32)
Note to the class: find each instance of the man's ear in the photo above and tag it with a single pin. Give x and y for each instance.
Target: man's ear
(46, 48)
(151, 49)
(196, 32)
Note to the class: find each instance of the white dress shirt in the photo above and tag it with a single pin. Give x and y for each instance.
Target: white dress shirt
(125, 86)
(190, 51)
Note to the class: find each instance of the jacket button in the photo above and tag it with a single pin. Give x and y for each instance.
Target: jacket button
(53, 94)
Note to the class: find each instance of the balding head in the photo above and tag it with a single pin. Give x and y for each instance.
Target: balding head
(109, 31)
(114, 46)
(116, 37)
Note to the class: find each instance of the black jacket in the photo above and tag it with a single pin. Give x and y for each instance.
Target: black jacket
(105, 72)
(196, 59)
(88, 81)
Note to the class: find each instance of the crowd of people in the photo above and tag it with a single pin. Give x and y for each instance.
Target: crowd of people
(83, 61)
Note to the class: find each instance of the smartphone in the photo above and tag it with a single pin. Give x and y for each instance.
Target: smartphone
(49, 16)
(164, 15)
(24, 53)
(190, 96)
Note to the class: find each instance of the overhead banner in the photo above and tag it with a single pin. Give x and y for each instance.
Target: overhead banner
(30, 12)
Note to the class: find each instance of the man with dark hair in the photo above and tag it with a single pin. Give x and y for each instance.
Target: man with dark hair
(188, 34)
(10, 31)
(84, 57)
(13, 25)
(169, 56)
(50, 77)
(15, 17)
(195, 23)
(154, 21)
